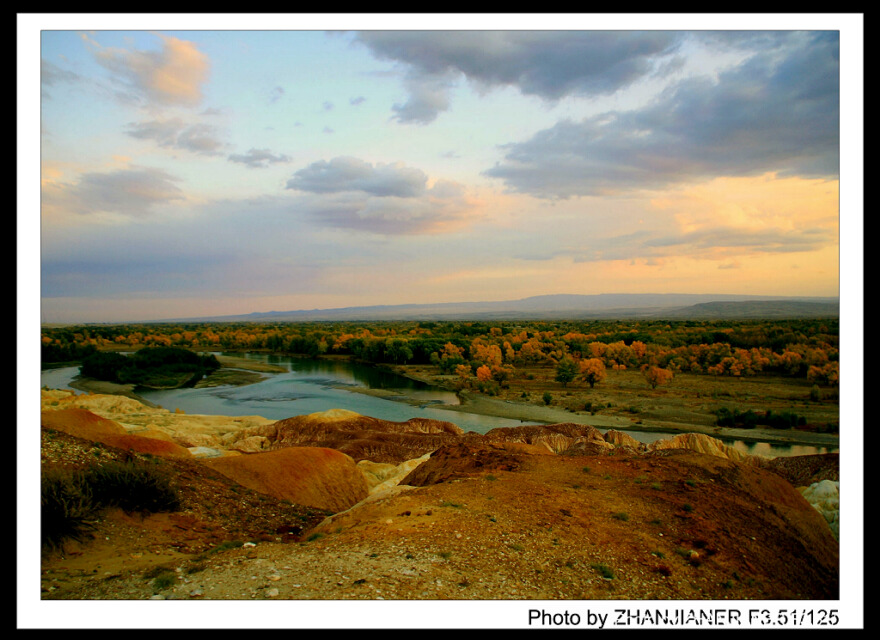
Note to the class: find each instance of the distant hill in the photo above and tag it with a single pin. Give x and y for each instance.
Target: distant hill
(565, 306)
(758, 309)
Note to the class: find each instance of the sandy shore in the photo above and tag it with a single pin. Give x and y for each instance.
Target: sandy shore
(90, 385)
(249, 365)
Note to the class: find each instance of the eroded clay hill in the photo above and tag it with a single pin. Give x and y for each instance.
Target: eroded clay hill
(311, 476)
(421, 510)
(361, 437)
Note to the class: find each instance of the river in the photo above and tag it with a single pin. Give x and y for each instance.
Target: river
(309, 386)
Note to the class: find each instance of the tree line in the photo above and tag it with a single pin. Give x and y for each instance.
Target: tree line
(496, 350)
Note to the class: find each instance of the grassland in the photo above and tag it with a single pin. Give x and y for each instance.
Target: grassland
(625, 401)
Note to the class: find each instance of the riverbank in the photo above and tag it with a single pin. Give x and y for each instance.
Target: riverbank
(658, 413)
(90, 385)
(234, 371)
(474, 402)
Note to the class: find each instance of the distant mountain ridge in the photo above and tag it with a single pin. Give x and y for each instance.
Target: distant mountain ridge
(565, 306)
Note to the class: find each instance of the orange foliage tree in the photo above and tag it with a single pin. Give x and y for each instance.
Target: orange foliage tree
(592, 370)
(656, 376)
(484, 373)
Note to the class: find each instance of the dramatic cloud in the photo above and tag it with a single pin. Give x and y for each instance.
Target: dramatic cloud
(428, 96)
(542, 63)
(388, 199)
(172, 76)
(440, 209)
(352, 174)
(130, 192)
(174, 133)
(777, 111)
(258, 158)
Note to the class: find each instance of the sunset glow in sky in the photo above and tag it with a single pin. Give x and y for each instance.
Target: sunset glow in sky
(199, 172)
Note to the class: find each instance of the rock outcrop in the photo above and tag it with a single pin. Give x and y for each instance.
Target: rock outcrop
(554, 437)
(824, 496)
(706, 444)
(310, 476)
(462, 460)
(81, 423)
(803, 471)
(188, 431)
(89, 426)
(361, 437)
(383, 475)
(621, 439)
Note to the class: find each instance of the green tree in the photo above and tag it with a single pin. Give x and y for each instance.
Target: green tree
(566, 371)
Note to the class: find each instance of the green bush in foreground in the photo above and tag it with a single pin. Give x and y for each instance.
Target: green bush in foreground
(70, 499)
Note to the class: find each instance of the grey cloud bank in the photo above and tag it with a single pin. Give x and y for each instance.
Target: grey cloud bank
(258, 158)
(131, 192)
(776, 112)
(549, 64)
(174, 133)
(352, 174)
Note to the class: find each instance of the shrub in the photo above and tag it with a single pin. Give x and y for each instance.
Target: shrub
(164, 581)
(782, 420)
(66, 505)
(69, 499)
(489, 387)
(132, 486)
(225, 546)
(743, 419)
(157, 570)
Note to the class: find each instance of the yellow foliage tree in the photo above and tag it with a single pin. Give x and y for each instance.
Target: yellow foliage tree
(657, 376)
(592, 370)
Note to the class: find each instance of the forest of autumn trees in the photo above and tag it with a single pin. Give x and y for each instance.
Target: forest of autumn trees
(493, 352)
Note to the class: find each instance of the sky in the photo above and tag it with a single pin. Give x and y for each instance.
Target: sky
(191, 169)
